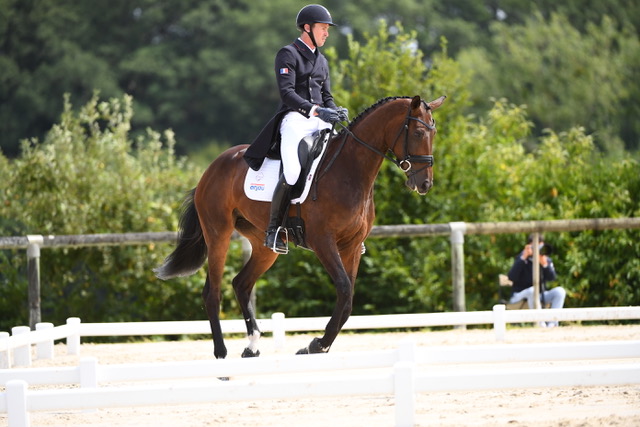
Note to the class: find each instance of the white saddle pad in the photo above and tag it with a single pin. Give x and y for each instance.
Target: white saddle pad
(259, 185)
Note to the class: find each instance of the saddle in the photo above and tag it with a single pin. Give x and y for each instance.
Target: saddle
(309, 149)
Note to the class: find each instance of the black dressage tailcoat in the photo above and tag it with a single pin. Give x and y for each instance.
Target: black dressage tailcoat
(303, 81)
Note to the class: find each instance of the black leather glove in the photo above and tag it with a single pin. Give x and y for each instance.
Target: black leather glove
(328, 115)
(343, 114)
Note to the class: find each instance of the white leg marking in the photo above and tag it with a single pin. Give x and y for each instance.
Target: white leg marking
(253, 340)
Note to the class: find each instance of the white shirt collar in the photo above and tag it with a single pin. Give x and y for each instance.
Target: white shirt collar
(312, 49)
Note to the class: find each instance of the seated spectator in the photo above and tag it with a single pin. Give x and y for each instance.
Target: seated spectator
(521, 274)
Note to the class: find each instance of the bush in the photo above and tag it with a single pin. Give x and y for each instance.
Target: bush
(88, 177)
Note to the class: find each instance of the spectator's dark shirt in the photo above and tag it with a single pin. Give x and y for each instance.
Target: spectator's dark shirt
(521, 274)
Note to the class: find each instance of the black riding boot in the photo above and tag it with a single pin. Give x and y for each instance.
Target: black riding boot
(279, 205)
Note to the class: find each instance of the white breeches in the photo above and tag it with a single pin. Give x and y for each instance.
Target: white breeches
(293, 128)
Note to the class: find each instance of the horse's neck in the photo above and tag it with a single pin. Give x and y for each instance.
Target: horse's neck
(357, 164)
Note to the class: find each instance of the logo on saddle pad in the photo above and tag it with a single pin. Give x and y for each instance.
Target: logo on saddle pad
(258, 185)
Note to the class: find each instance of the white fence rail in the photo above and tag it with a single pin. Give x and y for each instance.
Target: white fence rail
(398, 375)
(402, 372)
(15, 349)
(90, 373)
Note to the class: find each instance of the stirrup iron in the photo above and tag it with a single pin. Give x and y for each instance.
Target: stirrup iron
(286, 241)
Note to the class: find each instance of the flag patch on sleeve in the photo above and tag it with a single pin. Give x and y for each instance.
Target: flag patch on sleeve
(284, 71)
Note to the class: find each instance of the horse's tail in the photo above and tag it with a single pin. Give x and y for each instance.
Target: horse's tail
(191, 251)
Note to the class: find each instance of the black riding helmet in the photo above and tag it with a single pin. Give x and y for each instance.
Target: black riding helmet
(312, 14)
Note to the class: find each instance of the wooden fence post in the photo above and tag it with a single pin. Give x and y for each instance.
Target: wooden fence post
(457, 264)
(536, 270)
(33, 276)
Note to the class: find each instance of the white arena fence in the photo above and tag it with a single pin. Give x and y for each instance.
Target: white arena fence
(401, 373)
(15, 349)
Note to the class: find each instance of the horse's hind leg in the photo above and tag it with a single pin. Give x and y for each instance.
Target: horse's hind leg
(212, 305)
(211, 294)
(260, 261)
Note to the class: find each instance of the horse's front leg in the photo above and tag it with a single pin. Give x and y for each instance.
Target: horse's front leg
(344, 283)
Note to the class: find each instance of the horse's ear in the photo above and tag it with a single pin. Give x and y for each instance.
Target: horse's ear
(438, 102)
(415, 102)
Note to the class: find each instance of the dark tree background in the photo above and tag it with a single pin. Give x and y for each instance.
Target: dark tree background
(204, 68)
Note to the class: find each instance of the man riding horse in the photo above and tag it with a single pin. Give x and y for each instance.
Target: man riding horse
(399, 129)
(306, 106)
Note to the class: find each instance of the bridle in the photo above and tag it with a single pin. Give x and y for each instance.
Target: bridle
(407, 159)
(405, 164)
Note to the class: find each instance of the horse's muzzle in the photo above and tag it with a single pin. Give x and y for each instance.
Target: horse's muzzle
(421, 188)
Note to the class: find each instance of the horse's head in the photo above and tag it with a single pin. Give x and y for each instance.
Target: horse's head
(413, 146)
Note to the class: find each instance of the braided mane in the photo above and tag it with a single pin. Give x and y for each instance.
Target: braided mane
(371, 108)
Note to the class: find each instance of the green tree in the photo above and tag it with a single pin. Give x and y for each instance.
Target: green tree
(565, 77)
(42, 55)
(580, 13)
(205, 68)
(88, 177)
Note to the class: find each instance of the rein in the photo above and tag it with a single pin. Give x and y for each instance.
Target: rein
(404, 164)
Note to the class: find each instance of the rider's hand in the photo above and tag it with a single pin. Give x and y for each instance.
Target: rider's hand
(328, 115)
(343, 114)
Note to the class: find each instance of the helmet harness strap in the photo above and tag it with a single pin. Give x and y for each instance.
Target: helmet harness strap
(310, 34)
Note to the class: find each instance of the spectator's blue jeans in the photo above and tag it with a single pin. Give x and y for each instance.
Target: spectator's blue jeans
(554, 296)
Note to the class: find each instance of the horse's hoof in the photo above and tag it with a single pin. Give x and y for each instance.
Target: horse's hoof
(313, 348)
(316, 347)
(250, 353)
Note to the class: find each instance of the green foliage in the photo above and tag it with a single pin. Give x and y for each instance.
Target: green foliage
(204, 68)
(389, 65)
(566, 77)
(88, 177)
(483, 174)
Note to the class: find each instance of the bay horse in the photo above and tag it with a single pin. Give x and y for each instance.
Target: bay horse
(338, 219)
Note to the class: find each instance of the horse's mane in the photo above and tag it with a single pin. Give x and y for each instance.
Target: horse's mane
(366, 111)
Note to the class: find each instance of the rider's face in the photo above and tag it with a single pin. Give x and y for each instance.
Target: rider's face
(320, 32)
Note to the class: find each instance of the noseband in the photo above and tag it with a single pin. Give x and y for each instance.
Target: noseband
(406, 163)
